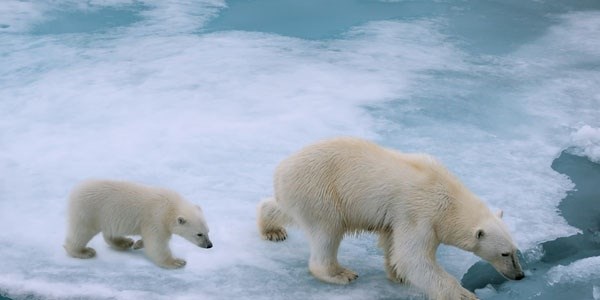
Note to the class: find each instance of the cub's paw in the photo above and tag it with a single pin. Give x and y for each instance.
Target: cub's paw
(84, 253)
(275, 235)
(179, 263)
(139, 244)
(122, 243)
(174, 263)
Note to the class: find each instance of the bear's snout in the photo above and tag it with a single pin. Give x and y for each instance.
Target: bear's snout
(206, 244)
(520, 276)
(514, 276)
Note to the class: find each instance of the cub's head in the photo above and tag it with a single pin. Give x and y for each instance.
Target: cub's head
(191, 226)
(494, 244)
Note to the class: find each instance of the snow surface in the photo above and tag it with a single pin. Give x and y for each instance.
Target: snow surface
(586, 142)
(210, 114)
(582, 270)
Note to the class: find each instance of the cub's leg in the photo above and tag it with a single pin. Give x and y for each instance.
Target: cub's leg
(323, 262)
(77, 238)
(157, 248)
(271, 220)
(118, 242)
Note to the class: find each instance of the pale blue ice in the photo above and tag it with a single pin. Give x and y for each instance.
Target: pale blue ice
(206, 97)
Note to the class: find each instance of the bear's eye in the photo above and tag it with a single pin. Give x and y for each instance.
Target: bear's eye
(505, 254)
(201, 235)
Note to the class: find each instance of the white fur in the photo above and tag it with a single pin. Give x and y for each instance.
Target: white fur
(348, 185)
(118, 209)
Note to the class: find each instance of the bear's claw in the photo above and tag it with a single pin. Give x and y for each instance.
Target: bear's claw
(396, 279)
(275, 235)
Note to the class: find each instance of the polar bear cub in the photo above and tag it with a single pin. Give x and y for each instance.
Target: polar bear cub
(349, 185)
(118, 209)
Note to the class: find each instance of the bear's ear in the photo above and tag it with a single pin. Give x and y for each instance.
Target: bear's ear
(479, 233)
(181, 220)
(499, 214)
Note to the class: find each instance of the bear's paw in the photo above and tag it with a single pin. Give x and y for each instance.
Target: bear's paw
(121, 243)
(174, 263)
(345, 276)
(139, 244)
(467, 295)
(85, 253)
(337, 275)
(275, 235)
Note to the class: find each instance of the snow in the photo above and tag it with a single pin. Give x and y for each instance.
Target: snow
(583, 270)
(586, 142)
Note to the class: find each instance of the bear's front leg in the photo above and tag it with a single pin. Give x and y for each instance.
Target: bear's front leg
(157, 248)
(413, 257)
(427, 275)
(385, 242)
(77, 238)
(323, 259)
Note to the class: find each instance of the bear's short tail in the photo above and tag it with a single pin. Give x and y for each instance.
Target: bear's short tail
(272, 221)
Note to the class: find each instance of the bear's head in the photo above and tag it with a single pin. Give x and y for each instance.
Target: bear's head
(494, 244)
(190, 225)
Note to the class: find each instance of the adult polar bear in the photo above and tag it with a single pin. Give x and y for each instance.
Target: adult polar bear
(351, 185)
(120, 208)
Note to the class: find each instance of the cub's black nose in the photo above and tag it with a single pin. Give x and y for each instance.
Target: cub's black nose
(209, 245)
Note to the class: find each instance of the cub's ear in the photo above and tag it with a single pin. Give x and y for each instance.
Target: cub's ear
(181, 220)
(499, 214)
(479, 233)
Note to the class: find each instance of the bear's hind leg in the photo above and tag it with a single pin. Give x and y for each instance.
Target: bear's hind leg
(271, 220)
(118, 242)
(323, 258)
(76, 241)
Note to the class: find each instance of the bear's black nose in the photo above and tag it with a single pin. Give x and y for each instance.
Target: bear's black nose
(209, 245)
(520, 276)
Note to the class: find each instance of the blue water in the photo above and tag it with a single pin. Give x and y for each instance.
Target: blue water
(91, 21)
(581, 208)
(482, 27)
(206, 97)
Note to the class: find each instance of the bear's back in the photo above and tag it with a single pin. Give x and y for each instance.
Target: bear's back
(353, 164)
(360, 179)
(114, 203)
